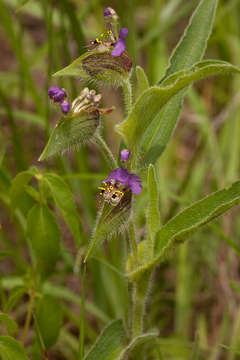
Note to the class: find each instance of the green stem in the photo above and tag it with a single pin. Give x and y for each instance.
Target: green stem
(140, 293)
(106, 152)
(82, 316)
(133, 241)
(127, 95)
(29, 316)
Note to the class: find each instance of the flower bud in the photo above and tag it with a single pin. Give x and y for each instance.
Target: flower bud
(125, 154)
(56, 94)
(65, 106)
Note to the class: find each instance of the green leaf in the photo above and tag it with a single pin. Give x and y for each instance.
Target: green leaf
(63, 198)
(153, 215)
(109, 343)
(49, 319)
(10, 324)
(101, 67)
(189, 51)
(71, 132)
(179, 228)
(142, 80)
(4, 254)
(152, 100)
(110, 220)
(44, 235)
(19, 183)
(11, 349)
(141, 339)
(14, 298)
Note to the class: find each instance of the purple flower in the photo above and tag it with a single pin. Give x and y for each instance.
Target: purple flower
(107, 11)
(65, 106)
(120, 45)
(125, 155)
(57, 94)
(123, 177)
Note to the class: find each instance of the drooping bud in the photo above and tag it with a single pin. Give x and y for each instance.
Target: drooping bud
(56, 94)
(125, 154)
(78, 126)
(65, 106)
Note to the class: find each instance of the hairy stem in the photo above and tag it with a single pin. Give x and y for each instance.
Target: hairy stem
(133, 240)
(139, 300)
(127, 95)
(82, 316)
(106, 152)
(29, 316)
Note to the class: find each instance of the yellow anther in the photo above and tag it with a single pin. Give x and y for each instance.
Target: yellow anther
(105, 183)
(101, 188)
(111, 187)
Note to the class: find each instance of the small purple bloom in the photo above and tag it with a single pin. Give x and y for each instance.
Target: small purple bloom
(120, 45)
(125, 155)
(107, 12)
(65, 106)
(135, 183)
(125, 178)
(57, 94)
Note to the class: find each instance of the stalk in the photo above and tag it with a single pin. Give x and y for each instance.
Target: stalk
(140, 294)
(127, 95)
(106, 152)
(29, 316)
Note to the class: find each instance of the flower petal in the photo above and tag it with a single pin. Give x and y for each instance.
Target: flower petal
(57, 94)
(135, 183)
(120, 175)
(119, 47)
(123, 33)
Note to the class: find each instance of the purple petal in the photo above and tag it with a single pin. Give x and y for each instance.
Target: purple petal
(107, 12)
(52, 91)
(119, 47)
(57, 94)
(65, 106)
(125, 155)
(123, 33)
(135, 184)
(120, 175)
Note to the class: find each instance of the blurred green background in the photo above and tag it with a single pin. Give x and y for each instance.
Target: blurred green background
(195, 293)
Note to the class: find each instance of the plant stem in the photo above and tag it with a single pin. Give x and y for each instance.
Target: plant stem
(127, 95)
(29, 316)
(106, 152)
(140, 293)
(133, 241)
(82, 315)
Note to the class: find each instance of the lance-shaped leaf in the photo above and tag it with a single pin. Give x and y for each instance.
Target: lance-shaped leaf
(101, 67)
(49, 319)
(179, 228)
(10, 324)
(64, 201)
(153, 215)
(188, 51)
(109, 344)
(19, 183)
(137, 341)
(153, 99)
(71, 131)
(11, 349)
(142, 80)
(111, 219)
(44, 235)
